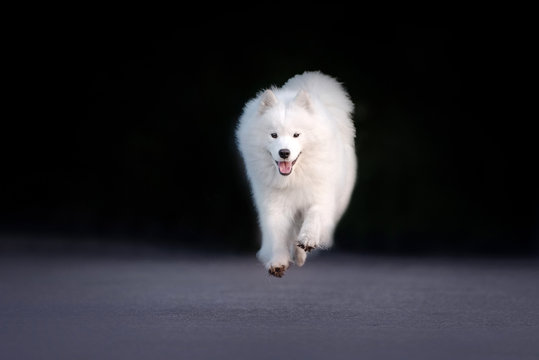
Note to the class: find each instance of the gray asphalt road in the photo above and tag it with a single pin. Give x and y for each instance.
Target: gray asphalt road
(337, 306)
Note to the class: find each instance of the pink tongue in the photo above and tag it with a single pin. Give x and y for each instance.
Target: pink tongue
(285, 167)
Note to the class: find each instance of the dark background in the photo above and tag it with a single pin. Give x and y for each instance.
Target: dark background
(121, 129)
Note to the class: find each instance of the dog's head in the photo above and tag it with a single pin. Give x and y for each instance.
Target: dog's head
(287, 128)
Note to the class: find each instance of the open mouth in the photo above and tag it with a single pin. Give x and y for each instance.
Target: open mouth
(285, 167)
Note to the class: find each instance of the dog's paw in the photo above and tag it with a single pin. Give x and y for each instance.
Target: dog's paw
(306, 248)
(277, 271)
(307, 242)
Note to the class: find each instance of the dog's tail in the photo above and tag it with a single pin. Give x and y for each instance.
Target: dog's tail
(330, 92)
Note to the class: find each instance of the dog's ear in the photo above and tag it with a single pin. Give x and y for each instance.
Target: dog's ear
(267, 101)
(302, 99)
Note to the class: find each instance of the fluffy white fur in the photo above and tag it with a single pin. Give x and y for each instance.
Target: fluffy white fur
(310, 116)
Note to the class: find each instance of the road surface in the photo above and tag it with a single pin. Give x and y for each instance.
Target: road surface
(192, 306)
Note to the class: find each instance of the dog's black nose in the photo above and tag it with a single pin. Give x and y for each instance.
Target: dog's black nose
(284, 153)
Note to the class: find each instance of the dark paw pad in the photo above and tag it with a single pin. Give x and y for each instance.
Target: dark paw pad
(277, 271)
(306, 248)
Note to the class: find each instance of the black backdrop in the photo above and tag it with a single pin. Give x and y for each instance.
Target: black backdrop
(123, 129)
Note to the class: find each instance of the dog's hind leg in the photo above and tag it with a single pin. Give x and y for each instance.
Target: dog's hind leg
(299, 256)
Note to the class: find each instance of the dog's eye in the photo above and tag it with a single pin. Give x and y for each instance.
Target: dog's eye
(274, 135)
(296, 134)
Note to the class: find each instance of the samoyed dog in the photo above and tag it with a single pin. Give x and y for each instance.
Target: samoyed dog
(297, 144)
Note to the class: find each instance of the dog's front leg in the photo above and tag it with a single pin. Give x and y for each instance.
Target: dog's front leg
(275, 223)
(317, 228)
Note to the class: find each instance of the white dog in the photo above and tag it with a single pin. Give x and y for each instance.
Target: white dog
(297, 143)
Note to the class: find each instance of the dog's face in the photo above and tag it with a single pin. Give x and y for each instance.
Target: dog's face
(285, 149)
(286, 129)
